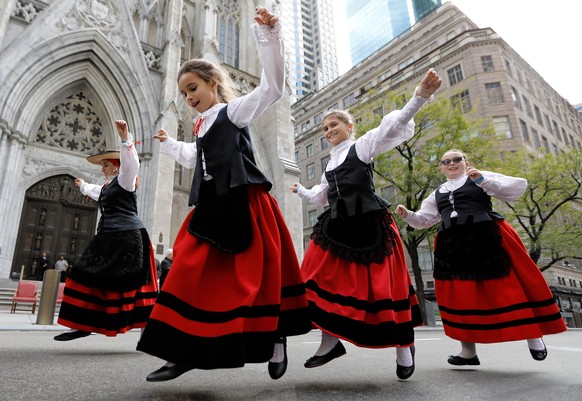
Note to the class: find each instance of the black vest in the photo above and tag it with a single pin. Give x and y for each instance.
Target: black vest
(229, 158)
(118, 209)
(472, 204)
(351, 184)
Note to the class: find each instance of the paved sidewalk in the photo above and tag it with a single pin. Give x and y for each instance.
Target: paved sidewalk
(26, 321)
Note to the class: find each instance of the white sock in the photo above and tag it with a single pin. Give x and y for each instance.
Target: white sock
(327, 343)
(404, 357)
(468, 351)
(169, 364)
(278, 353)
(537, 344)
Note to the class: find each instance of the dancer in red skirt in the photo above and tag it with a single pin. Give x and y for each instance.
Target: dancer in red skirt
(113, 287)
(234, 292)
(355, 271)
(487, 287)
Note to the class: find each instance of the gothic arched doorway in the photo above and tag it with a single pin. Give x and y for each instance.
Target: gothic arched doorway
(57, 219)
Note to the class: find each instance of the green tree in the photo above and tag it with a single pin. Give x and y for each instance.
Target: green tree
(550, 211)
(411, 169)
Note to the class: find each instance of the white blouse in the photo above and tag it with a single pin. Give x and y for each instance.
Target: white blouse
(395, 128)
(129, 166)
(245, 109)
(502, 187)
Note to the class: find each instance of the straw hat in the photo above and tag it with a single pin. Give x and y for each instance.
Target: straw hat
(99, 157)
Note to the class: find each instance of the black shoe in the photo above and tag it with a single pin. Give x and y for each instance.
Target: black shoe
(404, 372)
(460, 361)
(166, 373)
(278, 369)
(539, 355)
(72, 335)
(335, 352)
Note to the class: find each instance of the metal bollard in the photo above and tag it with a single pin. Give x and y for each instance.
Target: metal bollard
(48, 297)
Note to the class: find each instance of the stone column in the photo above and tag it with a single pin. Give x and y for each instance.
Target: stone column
(5, 12)
(161, 166)
(276, 133)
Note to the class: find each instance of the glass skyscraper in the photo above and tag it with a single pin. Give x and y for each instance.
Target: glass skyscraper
(310, 44)
(373, 23)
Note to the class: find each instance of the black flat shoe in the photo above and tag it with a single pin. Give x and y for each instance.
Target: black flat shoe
(335, 352)
(460, 361)
(404, 372)
(539, 355)
(166, 373)
(278, 369)
(72, 335)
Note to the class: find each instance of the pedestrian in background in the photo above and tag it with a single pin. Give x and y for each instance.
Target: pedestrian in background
(355, 270)
(62, 266)
(487, 287)
(165, 265)
(43, 266)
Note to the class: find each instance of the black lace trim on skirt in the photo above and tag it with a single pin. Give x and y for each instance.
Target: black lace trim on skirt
(366, 238)
(116, 261)
(471, 252)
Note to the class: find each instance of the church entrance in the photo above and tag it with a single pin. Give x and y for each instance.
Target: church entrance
(57, 219)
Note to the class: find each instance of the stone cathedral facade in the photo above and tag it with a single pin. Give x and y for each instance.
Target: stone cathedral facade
(69, 69)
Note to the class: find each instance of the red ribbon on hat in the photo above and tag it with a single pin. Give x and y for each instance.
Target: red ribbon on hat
(197, 125)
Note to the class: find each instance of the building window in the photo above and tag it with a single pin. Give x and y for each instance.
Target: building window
(548, 125)
(455, 75)
(312, 216)
(388, 192)
(297, 157)
(309, 150)
(310, 171)
(462, 101)
(430, 285)
(538, 115)
(324, 143)
(318, 118)
(508, 68)
(546, 144)
(228, 32)
(536, 138)
(515, 98)
(487, 63)
(524, 131)
(566, 137)
(494, 93)
(502, 126)
(324, 162)
(527, 107)
(349, 100)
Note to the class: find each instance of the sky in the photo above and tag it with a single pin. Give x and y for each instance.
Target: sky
(546, 34)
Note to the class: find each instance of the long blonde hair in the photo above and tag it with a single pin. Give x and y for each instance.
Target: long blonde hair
(210, 72)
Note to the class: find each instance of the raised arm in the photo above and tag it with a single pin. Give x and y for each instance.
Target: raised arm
(267, 31)
(397, 126)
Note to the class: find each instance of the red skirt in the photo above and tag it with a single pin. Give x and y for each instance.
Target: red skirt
(222, 310)
(370, 306)
(108, 312)
(518, 306)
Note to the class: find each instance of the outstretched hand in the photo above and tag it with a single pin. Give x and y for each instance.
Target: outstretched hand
(295, 187)
(401, 211)
(264, 17)
(161, 135)
(429, 84)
